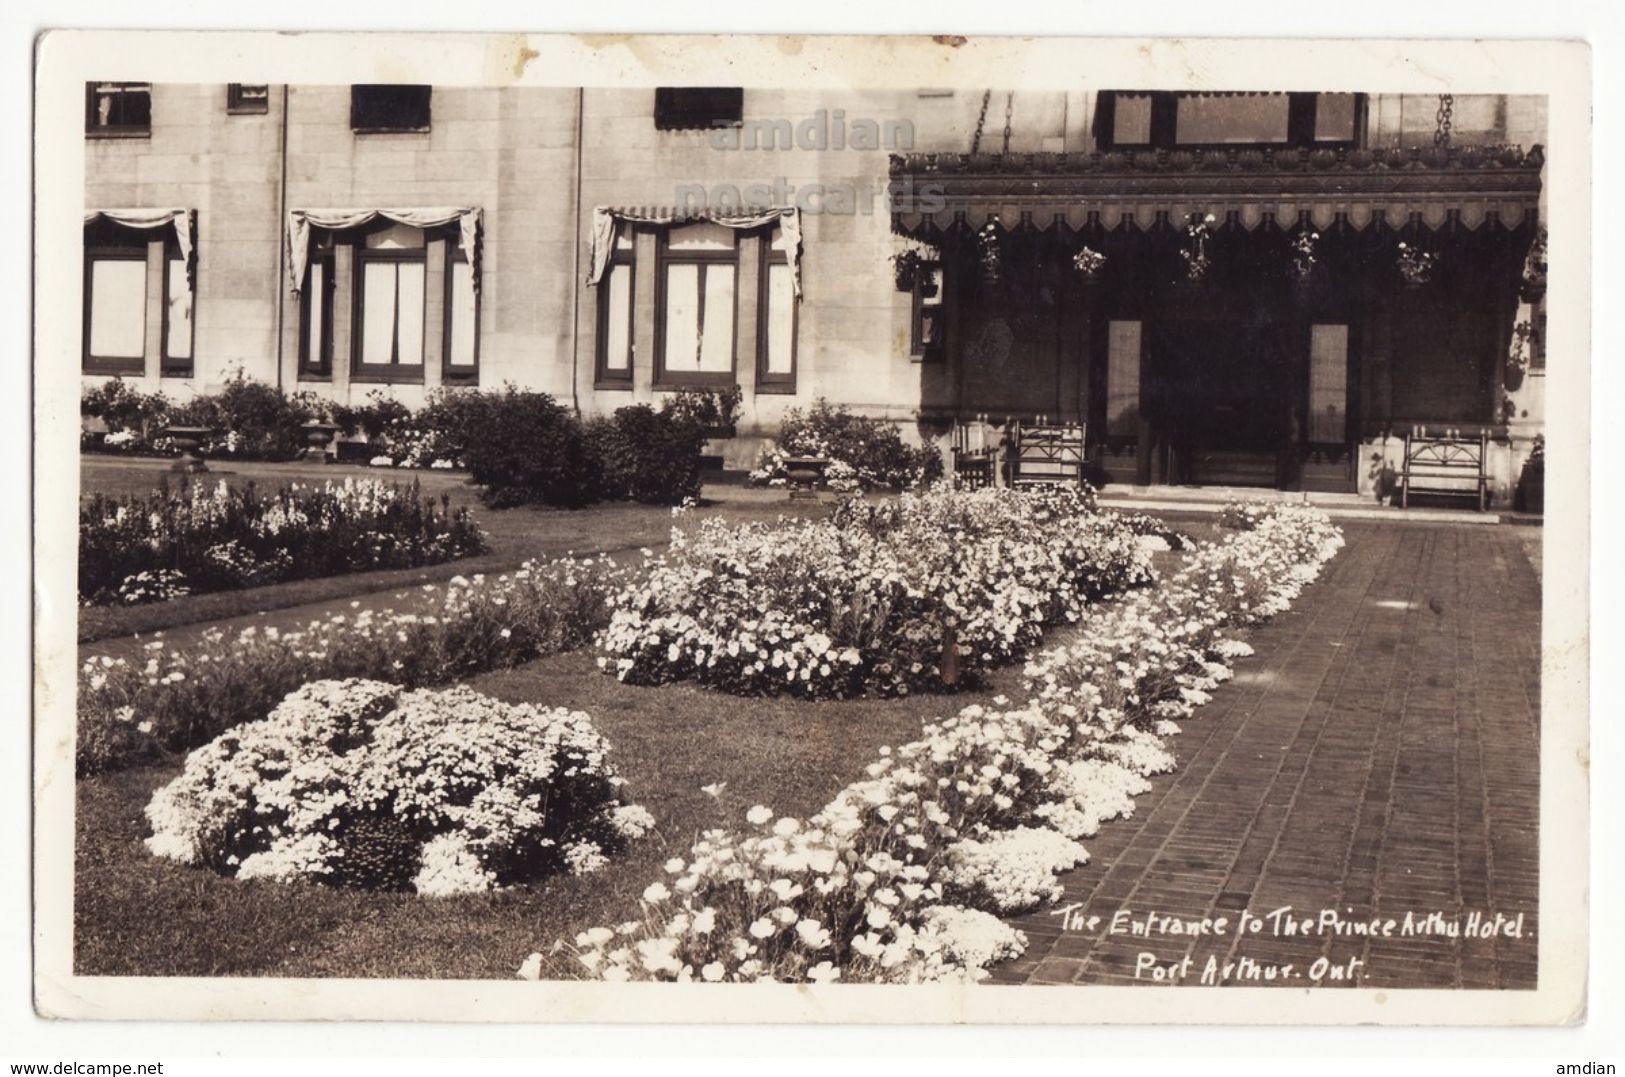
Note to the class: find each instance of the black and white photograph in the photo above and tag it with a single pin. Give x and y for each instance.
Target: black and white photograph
(848, 529)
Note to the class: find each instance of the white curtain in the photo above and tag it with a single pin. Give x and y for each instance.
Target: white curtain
(605, 222)
(182, 220)
(300, 222)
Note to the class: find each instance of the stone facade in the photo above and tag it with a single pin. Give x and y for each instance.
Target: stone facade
(538, 161)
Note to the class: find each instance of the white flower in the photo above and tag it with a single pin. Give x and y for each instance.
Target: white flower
(758, 815)
(531, 967)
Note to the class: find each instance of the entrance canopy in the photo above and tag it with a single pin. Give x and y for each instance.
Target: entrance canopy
(934, 193)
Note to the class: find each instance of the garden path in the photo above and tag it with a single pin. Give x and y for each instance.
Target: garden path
(1378, 756)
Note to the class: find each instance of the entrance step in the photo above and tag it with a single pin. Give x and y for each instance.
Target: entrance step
(1217, 495)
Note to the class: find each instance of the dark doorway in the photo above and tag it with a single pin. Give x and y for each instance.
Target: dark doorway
(1215, 396)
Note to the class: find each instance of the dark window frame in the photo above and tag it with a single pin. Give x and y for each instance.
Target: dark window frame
(384, 373)
(698, 108)
(364, 115)
(93, 364)
(603, 376)
(774, 382)
(918, 350)
(450, 374)
(322, 368)
(664, 260)
(174, 366)
(239, 104)
(142, 129)
(1301, 118)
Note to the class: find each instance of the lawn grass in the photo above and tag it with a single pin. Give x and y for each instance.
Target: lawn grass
(515, 536)
(137, 915)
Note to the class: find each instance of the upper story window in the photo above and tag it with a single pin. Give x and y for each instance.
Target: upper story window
(118, 109)
(1229, 119)
(680, 108)
(1162, 120)
(389, 108)
(245, 99)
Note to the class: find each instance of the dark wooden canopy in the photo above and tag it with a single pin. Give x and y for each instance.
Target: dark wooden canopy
(935, 194)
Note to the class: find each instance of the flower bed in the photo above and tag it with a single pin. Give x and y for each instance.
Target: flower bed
(196, 539)
(361, 783)
(179, 699)
(883, 597)
(897, 879)
(863, 453)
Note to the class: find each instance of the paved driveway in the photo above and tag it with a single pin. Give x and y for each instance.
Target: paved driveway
(1377, 758)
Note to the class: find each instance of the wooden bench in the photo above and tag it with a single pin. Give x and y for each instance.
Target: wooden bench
(1453, 465)
(1047, 455)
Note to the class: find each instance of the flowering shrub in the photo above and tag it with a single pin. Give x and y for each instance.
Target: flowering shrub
(194, 539)
(895, 880)
(1242, 515)
(179, 699)
(878, 597)
(360, 783)
(863, 453)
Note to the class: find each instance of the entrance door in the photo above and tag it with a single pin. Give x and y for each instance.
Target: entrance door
(1215, 398)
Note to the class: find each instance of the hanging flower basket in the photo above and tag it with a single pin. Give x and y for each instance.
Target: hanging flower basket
(906, 268)
(1415, 265)
(988, 252)
(1303, 254)
(1089, 263)
(1532, 288)
(1517, 364)
(1195, 251)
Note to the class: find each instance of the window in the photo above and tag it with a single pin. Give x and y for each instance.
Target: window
(177, 358)
(1123, 380)
(118, 109)
(462, 353)
(1165, 120)
(696, 306)
(615, 295)
(1328, 384)
(926, 329)
(1335, 115)
(1133, 119)
(1228, 119)
(776, 319)
(316, 311)
(115, 310)
(683, 108)
(243, 99)
(391, 279)
(389, 108)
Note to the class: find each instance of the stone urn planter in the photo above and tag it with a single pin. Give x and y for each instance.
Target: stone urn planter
(189, 440)
(318, 436)
(805, 473)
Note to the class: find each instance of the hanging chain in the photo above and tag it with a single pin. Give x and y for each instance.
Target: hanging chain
(981, 121)
(1441, 133)
(1009, 104)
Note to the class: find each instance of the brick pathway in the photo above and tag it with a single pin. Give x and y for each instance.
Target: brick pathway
(1377, 757)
